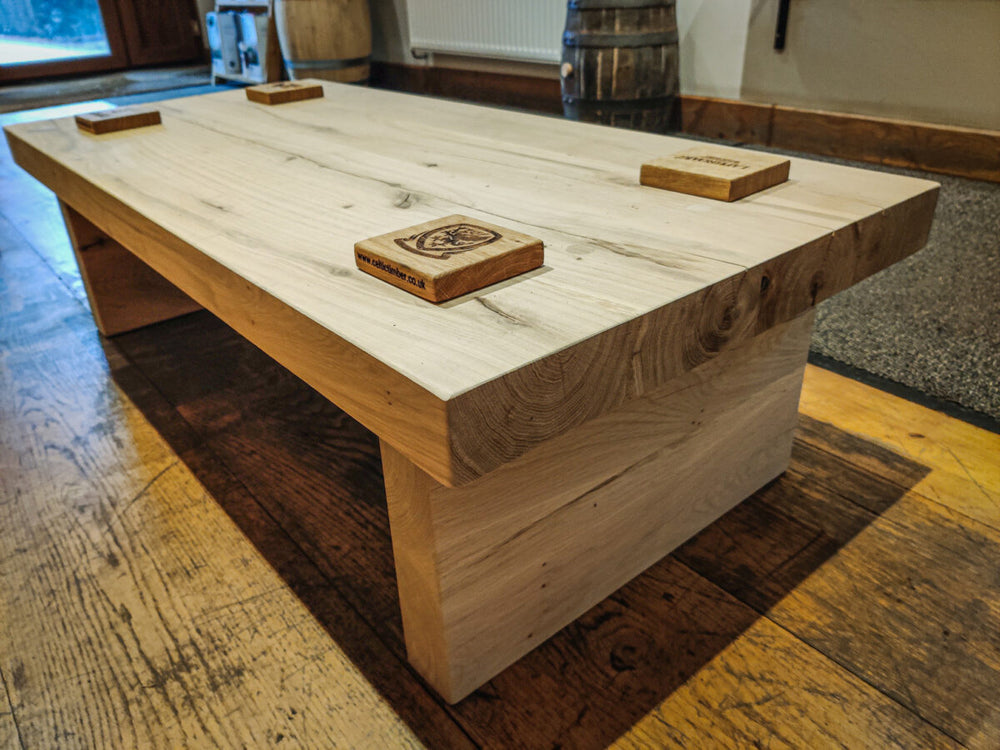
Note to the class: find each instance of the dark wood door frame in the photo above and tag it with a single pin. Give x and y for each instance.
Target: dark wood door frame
(158, 32)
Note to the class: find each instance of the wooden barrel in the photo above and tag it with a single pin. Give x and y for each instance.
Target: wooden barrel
(620, 63)
(328, 39)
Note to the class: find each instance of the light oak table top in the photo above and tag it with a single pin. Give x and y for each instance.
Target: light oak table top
(638, 286)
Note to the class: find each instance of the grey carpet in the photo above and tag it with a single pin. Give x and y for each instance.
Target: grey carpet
(932, 321)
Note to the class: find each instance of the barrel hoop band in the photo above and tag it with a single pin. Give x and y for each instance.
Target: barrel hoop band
(326, 64)
(647, 39)
(618, 105)
(618, 4)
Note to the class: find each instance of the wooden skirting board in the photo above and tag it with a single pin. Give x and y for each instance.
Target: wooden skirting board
(965, 152)
(525, 92)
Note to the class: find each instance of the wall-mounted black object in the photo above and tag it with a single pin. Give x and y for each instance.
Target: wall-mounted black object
(782, 27)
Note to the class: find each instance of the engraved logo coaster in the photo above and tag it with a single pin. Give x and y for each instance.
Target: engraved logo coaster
(119, 118)
(450, 240)
(448, 257)
(283, 92)
(726, 174)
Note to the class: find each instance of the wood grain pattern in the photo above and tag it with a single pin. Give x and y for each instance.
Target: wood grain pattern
(594, 702)
(33, 211)
(658, 632)
(747, 697)
(456, 650)
(50, 349)
(339, 370)
(726, 174)
(445, 258)
(949, 650)
(282, 92)
(604, 278)
(670, 659)
(966, 476)
(124, 293)
(135, 613)
(491, 569)
(898, 553)
(8, 727)
(119, 118)
(329, 539)
(590, 380)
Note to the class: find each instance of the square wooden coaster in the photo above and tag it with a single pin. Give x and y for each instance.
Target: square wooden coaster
(283, 92)
(448, 257)
(726, 174)
(119, 118)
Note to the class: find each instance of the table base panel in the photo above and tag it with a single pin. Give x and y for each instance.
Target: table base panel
(124, 292)
(489, 570)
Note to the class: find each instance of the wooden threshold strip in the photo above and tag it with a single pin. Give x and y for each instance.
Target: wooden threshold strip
(945, 149)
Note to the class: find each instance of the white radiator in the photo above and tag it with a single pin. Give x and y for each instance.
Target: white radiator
(528, 30)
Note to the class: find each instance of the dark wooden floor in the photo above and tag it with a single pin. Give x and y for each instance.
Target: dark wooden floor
(194, 551)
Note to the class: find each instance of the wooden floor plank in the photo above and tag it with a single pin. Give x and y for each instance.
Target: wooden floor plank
(900, 590)
(164, 614)
(966, 472)
(282, 435)
(9, 737)
(136, 613)
(746, 694)
(326, 589)
(673, 661)
(926, 584)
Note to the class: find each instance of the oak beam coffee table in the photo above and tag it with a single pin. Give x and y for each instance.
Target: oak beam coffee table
(544, 439)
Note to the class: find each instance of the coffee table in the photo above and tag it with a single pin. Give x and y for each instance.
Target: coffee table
(544, 439)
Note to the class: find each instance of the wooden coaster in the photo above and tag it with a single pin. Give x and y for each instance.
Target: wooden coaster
(448, 257)
(284, 92)
(119, 118)
(726, 174)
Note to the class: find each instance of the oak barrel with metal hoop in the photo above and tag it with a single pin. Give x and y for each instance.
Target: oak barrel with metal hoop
(620, 63)
(328, 39)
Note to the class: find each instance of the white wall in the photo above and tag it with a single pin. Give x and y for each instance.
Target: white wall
(391, 33)
(926, 60)
(713, 39)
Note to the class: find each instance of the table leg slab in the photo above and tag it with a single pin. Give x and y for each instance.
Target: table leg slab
(124, 292)
(489, 570)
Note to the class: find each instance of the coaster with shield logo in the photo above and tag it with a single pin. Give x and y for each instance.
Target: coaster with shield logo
(448, 257)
